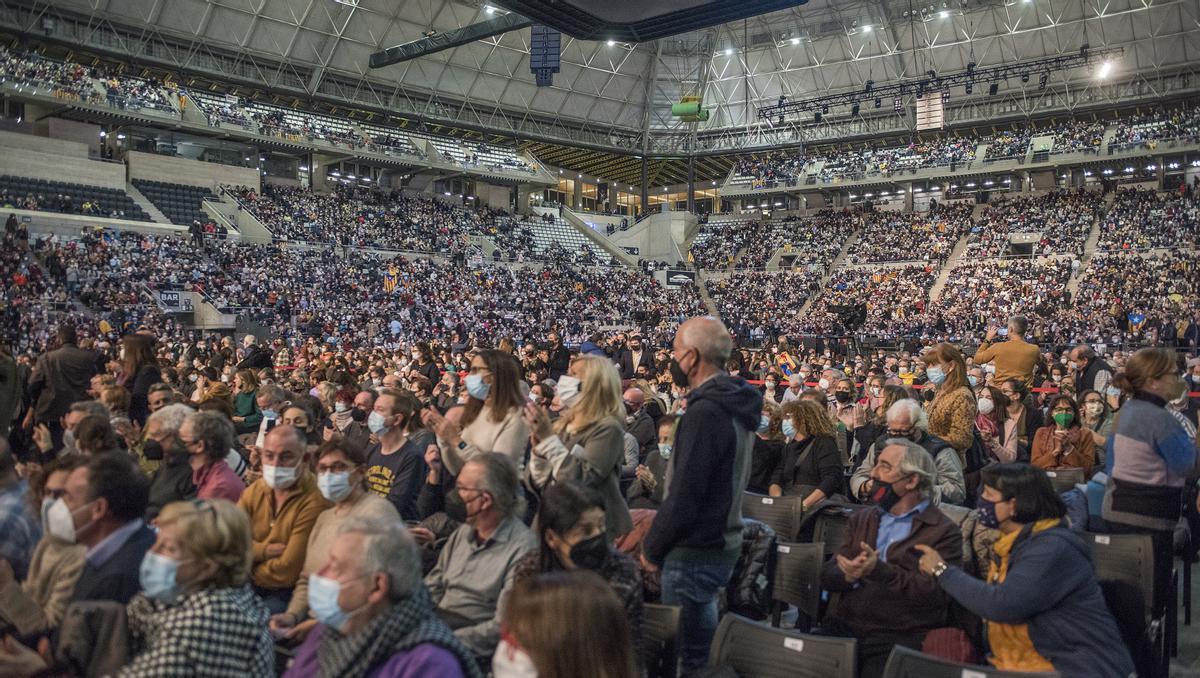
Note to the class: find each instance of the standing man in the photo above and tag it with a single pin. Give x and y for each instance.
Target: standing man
(1091, 372)
(61, 377)
(634, 356)
(559, 356)
(1015, 358)
(696, 536)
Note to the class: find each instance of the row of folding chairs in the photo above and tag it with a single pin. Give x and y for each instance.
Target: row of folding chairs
(748, 649)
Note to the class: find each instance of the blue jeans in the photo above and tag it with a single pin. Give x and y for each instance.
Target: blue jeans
(692, 580)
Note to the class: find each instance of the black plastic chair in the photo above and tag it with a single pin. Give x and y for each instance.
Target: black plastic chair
(660, 640)
(782, 514)
(1124, 565)
(1065, 479)
(906, 662)
(797, 581)
(755, 650)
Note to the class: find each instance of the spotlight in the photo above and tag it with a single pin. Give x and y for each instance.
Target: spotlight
(1042, 81)
(1024, 77)
(870, 86)
(816, 117)
(970, 87)
(780, 123)
(943, 14)
(993, 88)
(825, 109)
(489, 9)
(610, 43)
(795, 41)
(867, 28)
(854, 109)
(728, 51)
(878, 102)
(782, 99)
(1105, 70)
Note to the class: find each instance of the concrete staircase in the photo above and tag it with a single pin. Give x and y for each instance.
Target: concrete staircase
(1089, 246)
(956, 256)
(703, 290)
(838, 262)
(144, 202)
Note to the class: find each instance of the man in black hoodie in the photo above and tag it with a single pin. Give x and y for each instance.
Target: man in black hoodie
(697, 534)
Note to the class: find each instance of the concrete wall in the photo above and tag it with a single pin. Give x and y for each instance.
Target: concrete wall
(70, 130)
(496, 197)
(154, 167)
(34, 157)
(662, 236)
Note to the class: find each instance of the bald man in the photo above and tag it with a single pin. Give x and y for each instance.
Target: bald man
(638, 423)
(696, 536)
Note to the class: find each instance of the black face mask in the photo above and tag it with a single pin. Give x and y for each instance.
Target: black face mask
(152, 450)
(590, 554)
(678, 376)
(456, 506)
(842, 396)
(358, 415)
(884, 495)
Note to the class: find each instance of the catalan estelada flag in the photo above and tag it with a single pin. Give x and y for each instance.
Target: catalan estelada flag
(390, 279)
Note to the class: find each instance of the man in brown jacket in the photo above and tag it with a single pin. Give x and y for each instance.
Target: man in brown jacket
(884, 598)
(1015, 358)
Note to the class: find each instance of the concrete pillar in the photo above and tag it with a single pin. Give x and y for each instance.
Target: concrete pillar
(908, 197)
(645, 188)
(577, 196)
(691, 185)
(523, 193)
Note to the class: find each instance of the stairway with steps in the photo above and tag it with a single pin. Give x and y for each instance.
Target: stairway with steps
(1089, 246)
(956, 255)
(144, 202)
(708, 302)
(837, 263)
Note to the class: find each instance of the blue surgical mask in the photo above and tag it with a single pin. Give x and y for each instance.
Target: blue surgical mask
(764, 424)
(323, 595)
(664, 450)
(477, 388)
(334, 486)
(972, 380)
(375, 422)
(157, 577)
(789, 429)
(936, 375)
(270, 414)
(340, 407)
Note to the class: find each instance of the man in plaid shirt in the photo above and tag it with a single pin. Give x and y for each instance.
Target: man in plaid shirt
(19, 532)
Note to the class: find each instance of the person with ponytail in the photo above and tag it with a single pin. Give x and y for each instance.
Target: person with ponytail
(952, 411)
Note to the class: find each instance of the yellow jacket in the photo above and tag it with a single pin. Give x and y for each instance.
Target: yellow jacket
(1015, 359)
(1012, 649)
(289, 524)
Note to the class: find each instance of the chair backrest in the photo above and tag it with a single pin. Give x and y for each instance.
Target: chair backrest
(798, 576)
(756, 650)
(830, 527)
(908, 663)
(660, 640)
(781, 514)
(1063, 479)
(1127, 559)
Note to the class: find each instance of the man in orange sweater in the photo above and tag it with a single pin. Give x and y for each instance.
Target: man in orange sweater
(1015, 358)
(283, 506)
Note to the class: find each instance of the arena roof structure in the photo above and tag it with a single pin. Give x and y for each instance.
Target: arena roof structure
(614, 98)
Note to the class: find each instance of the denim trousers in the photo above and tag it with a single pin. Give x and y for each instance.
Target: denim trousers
(693, 579)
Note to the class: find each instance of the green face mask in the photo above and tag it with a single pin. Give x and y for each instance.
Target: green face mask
(1063, 419)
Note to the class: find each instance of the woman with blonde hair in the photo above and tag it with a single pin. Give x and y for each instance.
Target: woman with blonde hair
(565, 625)
(811, 463)
(196, 615)
(952, 411)
(587, 443)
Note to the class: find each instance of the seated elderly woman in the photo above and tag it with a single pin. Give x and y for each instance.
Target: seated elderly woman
(196, 615)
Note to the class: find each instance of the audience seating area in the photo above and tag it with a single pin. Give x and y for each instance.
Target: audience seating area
(69, 198)
(181, 204)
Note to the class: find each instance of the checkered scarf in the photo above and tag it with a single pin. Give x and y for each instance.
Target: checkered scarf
(406, 625)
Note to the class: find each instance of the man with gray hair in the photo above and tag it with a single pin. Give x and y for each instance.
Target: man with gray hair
(165, 454)
(696, 536)
(370, 593)
(906, 419)
(886, 600)
(475, 570)
(208, 439)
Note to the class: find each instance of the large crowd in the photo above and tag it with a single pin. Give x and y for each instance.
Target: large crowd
(917, 236)
(296, 507)
(1159, 124)
(1062, 218)
(1175, 218)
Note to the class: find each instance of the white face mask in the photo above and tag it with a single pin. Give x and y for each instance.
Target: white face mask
(279, 477)
(568, 391)
(60, 522)
(511, 661)
(985, 405)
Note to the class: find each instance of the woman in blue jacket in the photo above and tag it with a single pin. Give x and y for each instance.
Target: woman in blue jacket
(1043, 607)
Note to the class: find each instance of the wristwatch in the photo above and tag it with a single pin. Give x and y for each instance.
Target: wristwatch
(940, 568)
